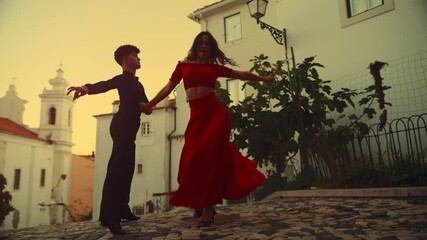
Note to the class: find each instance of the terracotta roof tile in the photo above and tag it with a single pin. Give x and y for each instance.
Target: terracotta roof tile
(10, 127)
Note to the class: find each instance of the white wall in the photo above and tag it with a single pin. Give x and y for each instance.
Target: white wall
(103, 147)
(152, 152)
(314, 29)
(398, 37)
(182, 117)
(30, 156)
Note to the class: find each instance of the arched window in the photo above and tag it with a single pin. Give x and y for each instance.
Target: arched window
(52, 115)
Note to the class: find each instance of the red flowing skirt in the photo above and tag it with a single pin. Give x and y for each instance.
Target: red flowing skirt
(211, 168)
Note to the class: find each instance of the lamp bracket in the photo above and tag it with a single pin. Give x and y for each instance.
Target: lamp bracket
(278, 35)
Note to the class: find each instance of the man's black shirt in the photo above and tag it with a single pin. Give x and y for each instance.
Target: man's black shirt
(131, 92)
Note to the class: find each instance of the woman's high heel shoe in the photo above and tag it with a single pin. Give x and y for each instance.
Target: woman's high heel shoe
(207, 223)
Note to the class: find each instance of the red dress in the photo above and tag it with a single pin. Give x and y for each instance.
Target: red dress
(210, 168)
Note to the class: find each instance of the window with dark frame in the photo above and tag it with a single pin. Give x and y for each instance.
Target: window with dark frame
(145, 128)
(139, 168)
(232, 28)
(17, 179)
(52, 116)
(42, 177)
(355, 11)
(355, 7)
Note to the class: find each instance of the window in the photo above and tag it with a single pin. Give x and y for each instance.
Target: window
(52, 116)
(354, 11)
(358, 6)
(17, 179)
(235, 90)
(233, 28)
(139, 168)
(145, 128)
(42, 177)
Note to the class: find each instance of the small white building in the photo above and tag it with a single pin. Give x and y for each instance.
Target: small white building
(36, 162)
(152, 161)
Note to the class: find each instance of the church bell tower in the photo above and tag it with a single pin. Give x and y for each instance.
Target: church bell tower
(56, 126)
(56, 111)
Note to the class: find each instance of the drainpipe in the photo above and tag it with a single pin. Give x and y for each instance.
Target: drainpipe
(170, 149)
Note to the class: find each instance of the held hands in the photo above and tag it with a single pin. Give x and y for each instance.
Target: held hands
(79, 91)
(145, 108)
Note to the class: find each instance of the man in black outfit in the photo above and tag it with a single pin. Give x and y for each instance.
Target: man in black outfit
(123, 129)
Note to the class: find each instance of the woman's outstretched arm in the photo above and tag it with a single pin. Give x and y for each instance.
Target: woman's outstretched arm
(243, 75)
(164, 92)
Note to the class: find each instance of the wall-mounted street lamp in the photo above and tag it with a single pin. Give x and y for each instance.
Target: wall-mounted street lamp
(257, 10)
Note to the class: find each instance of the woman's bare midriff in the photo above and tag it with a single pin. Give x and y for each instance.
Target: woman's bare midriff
(198, 92)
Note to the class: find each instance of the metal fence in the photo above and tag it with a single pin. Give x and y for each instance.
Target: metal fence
(401, 140)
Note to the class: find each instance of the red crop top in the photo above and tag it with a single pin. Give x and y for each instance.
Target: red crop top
(197, 75)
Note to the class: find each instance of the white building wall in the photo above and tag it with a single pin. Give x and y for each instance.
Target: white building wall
(152, 151)
(398, 37)
(182, 117)
(30, 156)
(314, 29)
(103, 147)
(43, 159)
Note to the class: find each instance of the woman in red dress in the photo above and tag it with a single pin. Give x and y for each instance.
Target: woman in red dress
(210, 167)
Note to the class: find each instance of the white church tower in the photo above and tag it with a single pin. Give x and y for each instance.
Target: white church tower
(56, 126)
(11, 106)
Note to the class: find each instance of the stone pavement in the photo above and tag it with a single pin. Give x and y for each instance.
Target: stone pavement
(277, 217)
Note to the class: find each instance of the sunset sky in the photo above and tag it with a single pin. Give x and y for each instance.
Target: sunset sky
(36, 37)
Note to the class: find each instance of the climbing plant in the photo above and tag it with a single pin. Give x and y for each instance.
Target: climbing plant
(265, 124)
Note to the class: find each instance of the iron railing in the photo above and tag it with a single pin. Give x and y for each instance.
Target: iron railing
(402, 139)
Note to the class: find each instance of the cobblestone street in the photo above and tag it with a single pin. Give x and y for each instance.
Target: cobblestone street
(277, 217)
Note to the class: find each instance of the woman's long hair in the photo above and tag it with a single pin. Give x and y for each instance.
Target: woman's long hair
(217, 56)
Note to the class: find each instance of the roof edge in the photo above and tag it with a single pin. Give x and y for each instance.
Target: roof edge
(198, 15)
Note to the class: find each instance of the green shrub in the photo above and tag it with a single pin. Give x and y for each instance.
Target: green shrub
(5, 200)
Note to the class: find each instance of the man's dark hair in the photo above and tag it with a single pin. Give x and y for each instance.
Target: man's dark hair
(124, 50)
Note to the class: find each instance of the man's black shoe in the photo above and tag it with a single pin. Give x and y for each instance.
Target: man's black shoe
(115, 228)
(103, 223)
(130, 217)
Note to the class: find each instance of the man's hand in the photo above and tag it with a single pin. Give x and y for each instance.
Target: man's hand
(79, 91)
(145, 108)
